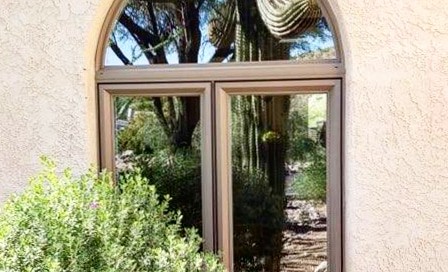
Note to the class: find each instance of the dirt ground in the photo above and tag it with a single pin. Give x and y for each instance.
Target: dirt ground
(305, 236)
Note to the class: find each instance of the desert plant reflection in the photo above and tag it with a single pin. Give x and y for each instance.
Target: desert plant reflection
(279, 182)
(278, 170)
(160, 137)
(152, 32)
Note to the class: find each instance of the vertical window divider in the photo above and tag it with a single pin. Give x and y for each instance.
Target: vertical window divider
(334, 178)
(207, 168)
(223, 170)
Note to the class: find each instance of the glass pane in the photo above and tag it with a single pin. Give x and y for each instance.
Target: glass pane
(203, 31)
(279, 182)
(160, 136)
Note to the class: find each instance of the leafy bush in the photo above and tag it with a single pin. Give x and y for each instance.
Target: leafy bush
(300, 144)
(258, 219)
(63, 223)
(177, 174)
(143, 135)
(258, 213)
(311, 184)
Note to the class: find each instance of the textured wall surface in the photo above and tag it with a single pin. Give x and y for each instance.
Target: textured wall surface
(396, 134)
(42, 86)
(396, 169)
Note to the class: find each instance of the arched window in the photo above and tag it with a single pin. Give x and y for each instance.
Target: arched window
(216, 31)
(233, 108)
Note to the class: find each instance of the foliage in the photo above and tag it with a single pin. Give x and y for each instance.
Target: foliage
(300, 145)
(63, 223)
(150, 32)
(177, 174)
(270, 136)
(142, 135)
(258, 219)
(173, 171)
(122, 106)
(258, 216)
(312, 182)
(318, 39)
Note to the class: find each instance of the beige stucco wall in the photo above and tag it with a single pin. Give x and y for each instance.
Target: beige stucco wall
(396, 134)
(396, 138)
(42, 86)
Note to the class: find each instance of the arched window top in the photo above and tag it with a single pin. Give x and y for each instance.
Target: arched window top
(150, 32)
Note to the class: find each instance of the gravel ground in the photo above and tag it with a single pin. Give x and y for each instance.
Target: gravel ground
(305, 237)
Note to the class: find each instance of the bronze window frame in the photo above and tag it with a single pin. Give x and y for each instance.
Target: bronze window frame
(107, 93)
(216, 175)
(334, 163)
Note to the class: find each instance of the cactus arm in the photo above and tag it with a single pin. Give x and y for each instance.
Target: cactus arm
(289, 18)
(221, 29)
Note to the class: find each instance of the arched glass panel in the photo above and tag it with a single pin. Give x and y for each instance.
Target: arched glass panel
(149, 32)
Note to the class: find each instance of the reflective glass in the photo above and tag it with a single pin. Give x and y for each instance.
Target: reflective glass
(279, 182)
(152, 32)
(161, 138)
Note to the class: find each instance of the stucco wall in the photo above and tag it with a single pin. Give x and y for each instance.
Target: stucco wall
(42, 86)
(396, 139)
(396, 134)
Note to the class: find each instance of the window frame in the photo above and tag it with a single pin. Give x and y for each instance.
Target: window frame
(332, 88)
(217, 193)
(273, 70)
(107, 93)
(333, 70)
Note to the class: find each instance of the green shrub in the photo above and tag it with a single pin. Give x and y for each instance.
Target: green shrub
(258, 213)
(143, 135)
(311, 184)
(63, 223)
(258, 219)
(177, 174)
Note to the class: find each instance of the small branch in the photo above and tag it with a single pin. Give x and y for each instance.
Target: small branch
(119, 53)
(140, 34)
(161, 57)
(143, 37)
(161, 117)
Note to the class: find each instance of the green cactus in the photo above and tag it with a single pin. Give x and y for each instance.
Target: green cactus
(289, 18)
(221, 28)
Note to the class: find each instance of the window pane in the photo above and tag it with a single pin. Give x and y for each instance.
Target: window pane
(161, 137)
(204, 31)
(279, 182)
